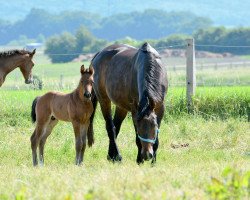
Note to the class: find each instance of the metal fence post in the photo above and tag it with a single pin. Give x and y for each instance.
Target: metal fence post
(190, 71)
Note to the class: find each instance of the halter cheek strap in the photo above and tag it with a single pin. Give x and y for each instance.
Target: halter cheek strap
(149, 140)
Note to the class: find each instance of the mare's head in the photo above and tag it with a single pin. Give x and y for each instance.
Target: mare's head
(147, 127)
(87, 81)
(151, 81)
(26, 65)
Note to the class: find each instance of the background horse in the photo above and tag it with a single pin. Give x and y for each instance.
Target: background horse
(135, 81)
(75, 107)
(10, 60)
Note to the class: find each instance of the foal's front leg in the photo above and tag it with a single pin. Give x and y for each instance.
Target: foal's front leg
(78, 142)
(84, 130)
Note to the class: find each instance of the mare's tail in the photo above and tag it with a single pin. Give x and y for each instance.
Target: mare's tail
(90, 134)
(33, 110)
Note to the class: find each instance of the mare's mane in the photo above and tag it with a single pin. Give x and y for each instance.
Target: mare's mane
(153, 72)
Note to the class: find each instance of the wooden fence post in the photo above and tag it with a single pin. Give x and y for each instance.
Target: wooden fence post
(190, 71)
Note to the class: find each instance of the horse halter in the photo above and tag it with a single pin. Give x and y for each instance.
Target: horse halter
(157, 131)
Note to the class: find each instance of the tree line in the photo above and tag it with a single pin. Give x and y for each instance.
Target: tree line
(137, 25)
(217, 39)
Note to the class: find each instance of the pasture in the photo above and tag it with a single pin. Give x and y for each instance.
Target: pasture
(217, 134)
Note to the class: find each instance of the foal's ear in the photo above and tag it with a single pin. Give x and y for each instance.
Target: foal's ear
(82, 69)
(33, 52)
(91, 70)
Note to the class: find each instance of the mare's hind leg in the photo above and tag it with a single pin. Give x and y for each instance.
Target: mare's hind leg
(113, 153)
(35, 138)
(44, 137)
(120, 115)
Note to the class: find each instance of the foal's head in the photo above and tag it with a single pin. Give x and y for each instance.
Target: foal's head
(27, 65)
(86, 82)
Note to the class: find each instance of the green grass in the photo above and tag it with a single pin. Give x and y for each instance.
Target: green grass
(179, 173)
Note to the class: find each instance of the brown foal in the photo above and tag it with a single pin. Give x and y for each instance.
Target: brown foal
(10, 60)
(75, 107)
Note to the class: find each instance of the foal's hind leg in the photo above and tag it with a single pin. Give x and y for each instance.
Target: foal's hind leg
(44, 137)
(113, 153)
(35, 138)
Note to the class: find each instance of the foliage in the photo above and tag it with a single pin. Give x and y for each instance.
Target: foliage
(212, 103)
(66, 47)
(235, 185)
(224, 37)
(61, 44)
(137, 25)
(84, 38)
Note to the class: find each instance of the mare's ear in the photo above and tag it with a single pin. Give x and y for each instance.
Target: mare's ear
(33, 52)
(91, 70)
(151, 103)
(82, 69)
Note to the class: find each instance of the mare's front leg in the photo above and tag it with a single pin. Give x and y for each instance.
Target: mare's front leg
(159, 112)
(84, 130)
(113, 152)
(139, 159)
(78, 141)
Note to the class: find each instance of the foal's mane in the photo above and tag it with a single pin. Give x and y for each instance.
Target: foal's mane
(14, 52)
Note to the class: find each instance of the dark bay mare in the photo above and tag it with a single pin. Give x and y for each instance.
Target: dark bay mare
(135, 80)
(10, 60)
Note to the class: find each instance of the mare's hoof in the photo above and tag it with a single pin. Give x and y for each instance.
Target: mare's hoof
(117, 158)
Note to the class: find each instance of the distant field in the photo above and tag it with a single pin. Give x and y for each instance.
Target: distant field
(66, 75)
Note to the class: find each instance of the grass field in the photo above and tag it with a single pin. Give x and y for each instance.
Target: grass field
(217, 133)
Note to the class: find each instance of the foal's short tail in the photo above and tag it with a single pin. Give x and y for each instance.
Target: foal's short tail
(33, 110)
(90, 134)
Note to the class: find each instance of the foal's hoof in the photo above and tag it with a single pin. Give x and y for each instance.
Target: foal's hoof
(117, 158)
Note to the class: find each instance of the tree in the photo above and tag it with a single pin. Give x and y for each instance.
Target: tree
(61, 48)
(84, 39)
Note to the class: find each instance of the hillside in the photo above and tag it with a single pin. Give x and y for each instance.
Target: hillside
(222, 12)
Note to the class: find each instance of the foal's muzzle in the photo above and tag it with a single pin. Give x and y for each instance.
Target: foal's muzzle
(87, 95)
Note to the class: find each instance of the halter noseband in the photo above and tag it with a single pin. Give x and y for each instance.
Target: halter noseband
(149, 140)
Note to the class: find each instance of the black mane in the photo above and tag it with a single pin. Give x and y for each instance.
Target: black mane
(153, 89)
(10, 53)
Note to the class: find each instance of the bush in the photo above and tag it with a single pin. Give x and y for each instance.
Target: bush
(235, 185)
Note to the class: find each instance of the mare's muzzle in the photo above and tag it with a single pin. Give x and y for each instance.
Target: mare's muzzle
(87, 95)
(146, 155)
